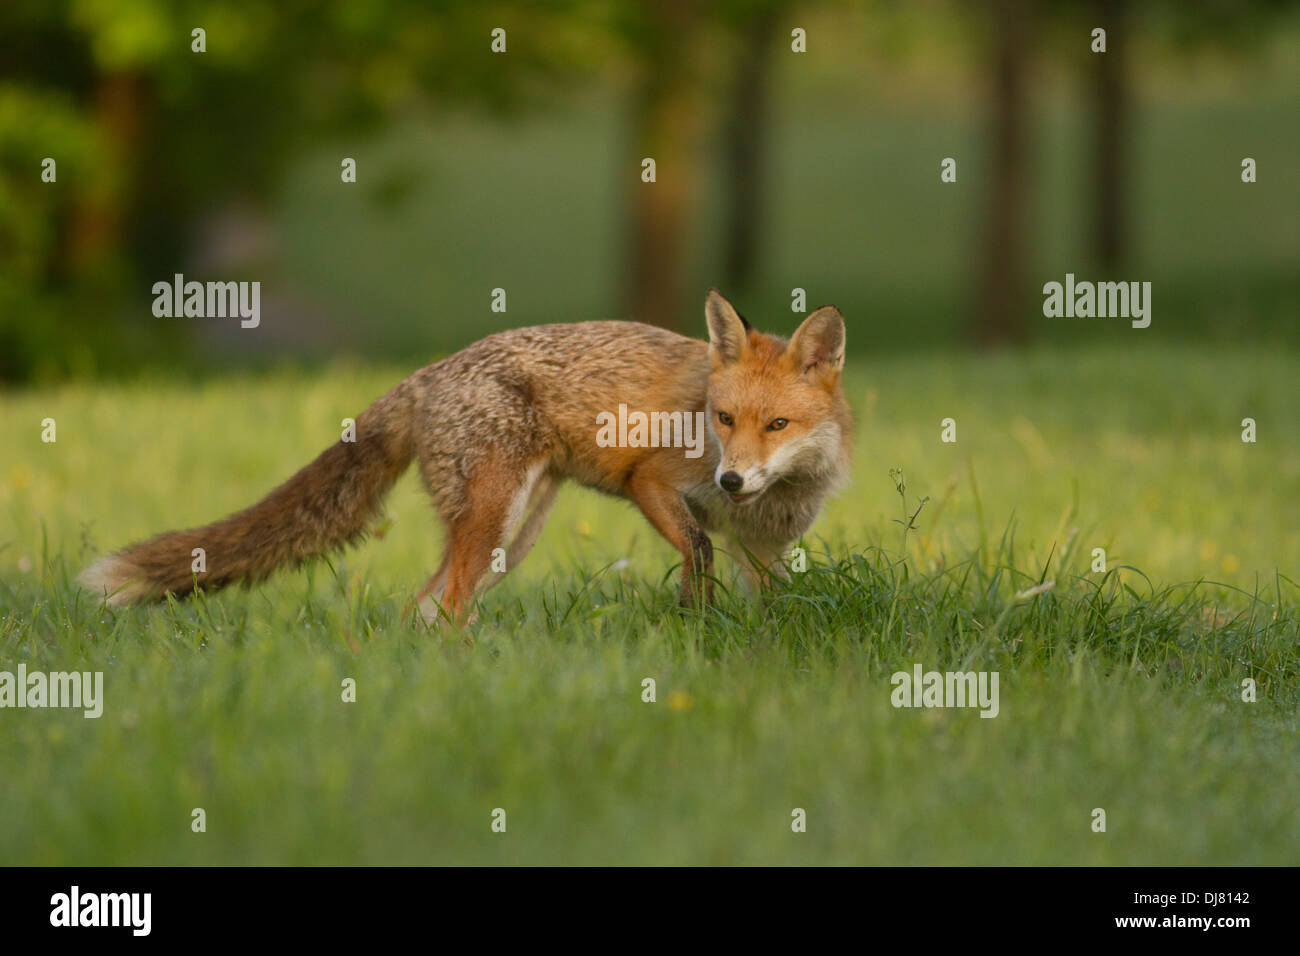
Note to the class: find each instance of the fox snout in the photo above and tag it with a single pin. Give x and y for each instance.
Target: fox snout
(741, 485)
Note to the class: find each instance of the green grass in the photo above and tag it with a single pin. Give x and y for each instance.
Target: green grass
(1119, 690)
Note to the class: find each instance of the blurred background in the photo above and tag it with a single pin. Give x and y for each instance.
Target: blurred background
(1079, 440)
(522, 170)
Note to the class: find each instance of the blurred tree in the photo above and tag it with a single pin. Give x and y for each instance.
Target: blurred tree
(1178, 26)
(666, 125)
(674, 45)
(999, 315)
(1231, 26)
(1111, 95)
(148, 133)
(746, 139)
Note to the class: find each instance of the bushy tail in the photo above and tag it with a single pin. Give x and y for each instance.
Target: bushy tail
(325, 506)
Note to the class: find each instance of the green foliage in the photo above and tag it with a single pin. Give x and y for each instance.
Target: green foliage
(34, 126)
(150, 135)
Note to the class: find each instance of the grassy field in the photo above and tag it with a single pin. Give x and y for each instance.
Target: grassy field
(1119, 690)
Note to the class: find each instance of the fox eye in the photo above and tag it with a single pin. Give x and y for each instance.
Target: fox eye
(776, 424)
(725, 419)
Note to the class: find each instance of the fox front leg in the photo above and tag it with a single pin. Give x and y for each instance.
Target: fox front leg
(697, 583)
(666, 510)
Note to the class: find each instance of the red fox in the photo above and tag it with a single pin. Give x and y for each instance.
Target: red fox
(498, 426)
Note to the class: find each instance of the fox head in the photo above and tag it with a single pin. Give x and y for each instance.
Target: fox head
(776, 408)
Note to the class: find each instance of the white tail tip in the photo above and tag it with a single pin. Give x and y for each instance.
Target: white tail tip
(109, 579)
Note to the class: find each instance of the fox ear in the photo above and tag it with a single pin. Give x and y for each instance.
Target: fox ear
(818, 344)
(728, 330)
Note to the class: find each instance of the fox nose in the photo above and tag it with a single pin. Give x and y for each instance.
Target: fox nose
(730, 481)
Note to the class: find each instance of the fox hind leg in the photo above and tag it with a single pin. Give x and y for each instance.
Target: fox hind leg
(539, 507)
(495, 500)
(429, 600)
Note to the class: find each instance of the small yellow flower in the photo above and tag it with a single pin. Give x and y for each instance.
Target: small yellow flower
(1208, 550)
(20, 476)
(681, 701)
(1230, 564)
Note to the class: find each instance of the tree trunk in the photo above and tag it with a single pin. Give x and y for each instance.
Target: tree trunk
(96, 230)
(1110, 109)
(1000, 305)
(666, 128)
(746, 146)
